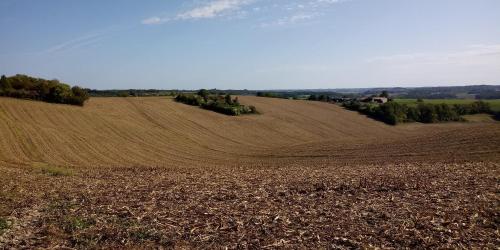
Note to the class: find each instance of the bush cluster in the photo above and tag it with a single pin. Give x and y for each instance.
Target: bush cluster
(321, 98)
(271, 95)
(218, 103)
(26, 87)
(394, 113)
(130, 92)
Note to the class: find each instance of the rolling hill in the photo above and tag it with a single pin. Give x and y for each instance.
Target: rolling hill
(150, 172)
(160, 132)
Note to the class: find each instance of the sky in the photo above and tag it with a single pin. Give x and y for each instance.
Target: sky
(252, 44)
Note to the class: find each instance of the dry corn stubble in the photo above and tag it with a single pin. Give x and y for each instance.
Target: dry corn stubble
(149, 172)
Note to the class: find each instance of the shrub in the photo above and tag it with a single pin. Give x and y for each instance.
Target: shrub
(203, 93)
(228, 99)
(253, 109)
(5, 83)
(412, 114)
(73, 224)
(189, 99)
(479, 107)
(219, 103)
(3, 225)
(394, 113)
(427, 113)
(52, 170)
(123, 94)
(22, 86)
(270, 95)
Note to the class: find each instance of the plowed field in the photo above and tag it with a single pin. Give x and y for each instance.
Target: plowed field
(150, 172)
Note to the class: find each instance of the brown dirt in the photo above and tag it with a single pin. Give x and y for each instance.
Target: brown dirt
(149, 172)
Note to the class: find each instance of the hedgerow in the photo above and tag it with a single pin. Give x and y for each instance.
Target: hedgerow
(394, 113)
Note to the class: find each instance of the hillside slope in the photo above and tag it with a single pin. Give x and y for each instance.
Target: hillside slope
(161, 132)
(141, 173)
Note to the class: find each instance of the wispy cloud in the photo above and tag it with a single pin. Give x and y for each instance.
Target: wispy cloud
(293, 19)
(296, 11)
(300, 12)
(81, 41)
(212, 9)
(155, 20)
(75, 43)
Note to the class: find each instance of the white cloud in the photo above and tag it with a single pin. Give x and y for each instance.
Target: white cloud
(328, 1)
(213, 9)
(155, 20)
(301, 11)
(79, 42)
(304, 10)
(293, 19)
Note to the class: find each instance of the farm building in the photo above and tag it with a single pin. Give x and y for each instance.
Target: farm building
(374, 99)
(379, 99)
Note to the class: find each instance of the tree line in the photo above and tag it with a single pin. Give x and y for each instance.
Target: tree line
(219, 103)
(394, 113)
(131, 92)
(301, 95)
(26, 87)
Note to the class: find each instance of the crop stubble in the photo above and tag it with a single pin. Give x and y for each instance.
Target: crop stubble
(149, 172)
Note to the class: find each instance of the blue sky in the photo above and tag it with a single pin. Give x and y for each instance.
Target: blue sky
(252, 44)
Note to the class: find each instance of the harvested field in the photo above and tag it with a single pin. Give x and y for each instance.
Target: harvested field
(149, 172)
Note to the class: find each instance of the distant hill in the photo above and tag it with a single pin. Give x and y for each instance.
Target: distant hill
(461, 92)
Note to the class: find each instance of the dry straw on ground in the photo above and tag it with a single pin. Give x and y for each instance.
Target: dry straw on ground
(149, 172)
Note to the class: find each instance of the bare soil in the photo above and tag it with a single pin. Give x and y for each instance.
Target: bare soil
(149, 173)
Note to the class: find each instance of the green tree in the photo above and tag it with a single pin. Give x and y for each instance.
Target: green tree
(427, 113)
(445, 113)
(203, 93)
(59, 93)
(384, 94)
(313, 98)
(393, 113)
(480, 107)
(228, 99)
(412, 114)
(123, 94)
(5, 83)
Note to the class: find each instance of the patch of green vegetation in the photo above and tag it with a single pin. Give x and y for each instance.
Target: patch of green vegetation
(4, 225)
(62, 205)
(73, 224)
(26, 87)
(53, 170)
(395, 112)
(131, 92)
(494, 103)
(143, 234)
(479, 118)
(219, 103)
